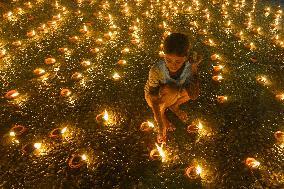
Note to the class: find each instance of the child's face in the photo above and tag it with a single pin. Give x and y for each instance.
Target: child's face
(174, 62)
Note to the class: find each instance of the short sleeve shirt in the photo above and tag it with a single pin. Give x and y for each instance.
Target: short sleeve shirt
(159, 74)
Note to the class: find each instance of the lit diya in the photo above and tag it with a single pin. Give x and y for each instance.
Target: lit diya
(252, 163)
(279, 136)
(146, 126)
(135, 41)
(32, 148)
(194, 128)
(12, 94)
(57, 133)
(99, 41)
(215, 57)
(62, 50)
(73, 39)
(103, 117)
(42, 28)
(251, 46)
(222, 99)
(16, 44)
(217, 78)
(94, 50)
(262, 80)
(218, 68)
(39, 71)
(161, 54)
(31, 33)
(280, 97)
(51, 23)
(125, 51)
(116, 76)
(76, 161)
(158, 153)
(17, 130)
(2, 53)
(193, 172)
(122, 62)
(65, 92)
(50, 61)
(86, 63)
(76, 76)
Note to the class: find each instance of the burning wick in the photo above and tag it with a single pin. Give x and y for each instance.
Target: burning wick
(37, 146)
(39, 71)
(193, 172)
(57, 133)
(121, 62)
(252, 163)
(161, 54)
(146, 126)
(103, 117)
(125, 50)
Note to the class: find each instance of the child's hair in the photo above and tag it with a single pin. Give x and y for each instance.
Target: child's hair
(176, 43)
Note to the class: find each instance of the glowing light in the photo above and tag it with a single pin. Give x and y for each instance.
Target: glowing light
(31, 33)
(12, 94)
(125, 50)
(63, 130)
(122, 62)
(198, 170)
(84, 30)
(116, 76)
(150, 124)
(105, 116)
(161, 151)
(222, 99)
(217, 78)
(37, 146)
(2, 53)
(252, 163)
(12, 133)
(218, 68)
(215, 57)
(84, 157)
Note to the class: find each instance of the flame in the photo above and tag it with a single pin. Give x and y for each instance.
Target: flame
(63, 130)
(161, 152)
(105, 115)
(12, 133)
(198, 170)
(200, 126)
(116, 76)
(37, 145)
(15, 94)
(84, 157)
(150, 124)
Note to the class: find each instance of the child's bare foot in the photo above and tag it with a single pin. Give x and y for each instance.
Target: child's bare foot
(182, 115)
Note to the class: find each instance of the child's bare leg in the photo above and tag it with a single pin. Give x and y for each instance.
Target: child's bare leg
(175, 107)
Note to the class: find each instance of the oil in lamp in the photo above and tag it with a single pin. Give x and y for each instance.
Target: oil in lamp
(76, 161)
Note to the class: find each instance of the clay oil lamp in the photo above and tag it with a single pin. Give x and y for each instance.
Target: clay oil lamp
(12, 94)
(116, 76)
(280, 97)
(35, 148)
(76, 161)
(65, 92)
(16, 44)
(50, 61)
(17, 130)
(86, 63)
(62, 50)
(158, 153)
(99, 41)
(146, 126)
(217, 78)
(31, 34)
(102, 117)
(2, 53)
(194, 127)
(94, 50)
(193, 172)
(73, 39)
(125, 51)
(39, 71)
(279, 136)
(161, 54)
(222, 99)
(28, 5)
(57, 133)
(76, 76)
(84, 30)
(51, 23)
(218, 68)
(251, 46)
(252, 163)
(122, 62)
(215, 57)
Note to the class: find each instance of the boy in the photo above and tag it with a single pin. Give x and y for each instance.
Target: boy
(172, 82)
